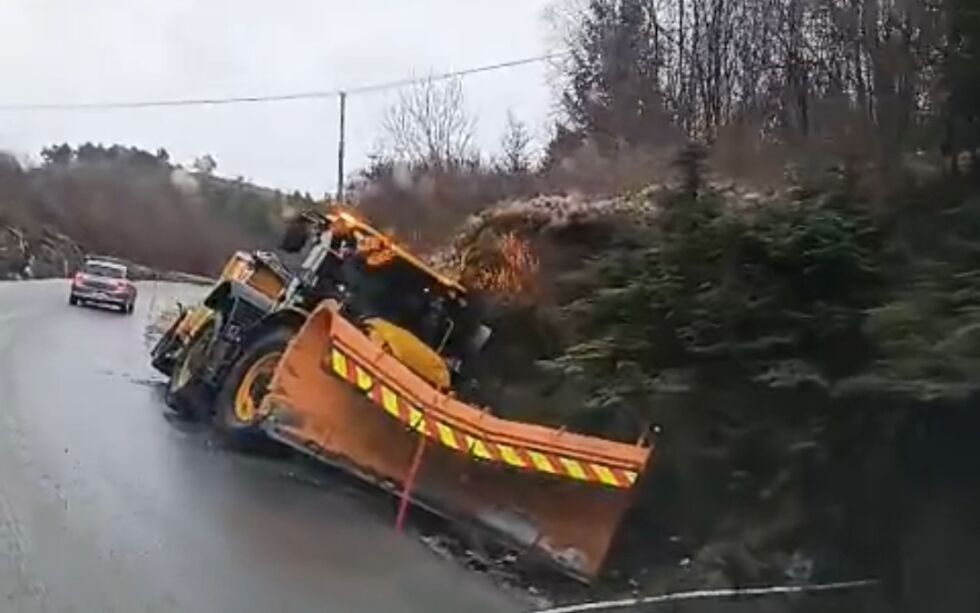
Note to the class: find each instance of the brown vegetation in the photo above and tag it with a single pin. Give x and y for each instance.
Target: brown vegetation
(137, 205)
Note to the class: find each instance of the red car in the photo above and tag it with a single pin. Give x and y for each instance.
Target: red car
(104, 283)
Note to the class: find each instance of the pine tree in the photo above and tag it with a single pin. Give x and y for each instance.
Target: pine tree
(614, 94)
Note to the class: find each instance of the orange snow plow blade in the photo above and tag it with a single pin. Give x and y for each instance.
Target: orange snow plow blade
(341, 398)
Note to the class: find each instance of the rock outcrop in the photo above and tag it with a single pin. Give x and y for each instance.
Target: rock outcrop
(37, 254)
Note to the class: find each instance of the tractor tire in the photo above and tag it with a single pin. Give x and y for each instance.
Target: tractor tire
(166, 351)
(237, 414)
(187, 394)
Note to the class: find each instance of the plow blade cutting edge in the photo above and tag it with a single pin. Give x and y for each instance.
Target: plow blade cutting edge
(338, 396)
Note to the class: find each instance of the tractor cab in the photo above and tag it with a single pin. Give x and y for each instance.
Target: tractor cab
(422, 317)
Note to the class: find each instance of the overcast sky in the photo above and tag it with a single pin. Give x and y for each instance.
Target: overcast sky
(93, 50)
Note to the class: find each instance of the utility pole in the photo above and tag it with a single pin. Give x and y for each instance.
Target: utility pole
(340, 148)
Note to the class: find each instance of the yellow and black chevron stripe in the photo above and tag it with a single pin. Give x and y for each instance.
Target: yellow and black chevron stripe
(469, 442)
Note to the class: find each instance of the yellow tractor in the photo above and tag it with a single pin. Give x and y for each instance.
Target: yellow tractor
(184, 349)
(257, 303)
(360, 360)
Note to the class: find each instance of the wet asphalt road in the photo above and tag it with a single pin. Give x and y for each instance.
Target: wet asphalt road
(106, 504)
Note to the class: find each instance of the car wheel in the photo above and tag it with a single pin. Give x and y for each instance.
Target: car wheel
(72, 300)
(130, 308)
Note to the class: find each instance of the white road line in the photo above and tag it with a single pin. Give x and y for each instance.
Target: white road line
(712, 594)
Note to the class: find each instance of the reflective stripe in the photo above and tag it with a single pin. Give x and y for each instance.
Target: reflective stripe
(339, 363)
(574, 468)
(541, 462)
(605, 475)
(447, 436)
(416, 420)
(389, 401)
(510, 456)
(363, 379)
(477, 447)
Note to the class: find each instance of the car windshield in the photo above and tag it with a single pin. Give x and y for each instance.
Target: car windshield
(99, 269)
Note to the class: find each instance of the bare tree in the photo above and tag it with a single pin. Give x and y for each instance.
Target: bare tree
(515, 143)
(205, 164)
(800, 70)
(429, 124)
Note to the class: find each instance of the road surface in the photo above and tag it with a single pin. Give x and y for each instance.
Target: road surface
(106, 504)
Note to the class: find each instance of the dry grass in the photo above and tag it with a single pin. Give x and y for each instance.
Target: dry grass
(515, 272)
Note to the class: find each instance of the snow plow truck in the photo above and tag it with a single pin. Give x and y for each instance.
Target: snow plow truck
(360, 359)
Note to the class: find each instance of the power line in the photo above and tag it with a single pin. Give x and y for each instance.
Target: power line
(267, 98)
(452, 75)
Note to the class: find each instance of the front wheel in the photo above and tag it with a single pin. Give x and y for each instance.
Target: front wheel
(187, 393)
(238, 407)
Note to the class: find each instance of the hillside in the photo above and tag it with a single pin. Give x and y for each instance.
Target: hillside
(132, 204)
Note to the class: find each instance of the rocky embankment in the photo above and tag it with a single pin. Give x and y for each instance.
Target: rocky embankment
(47, 253)
(37, 254)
